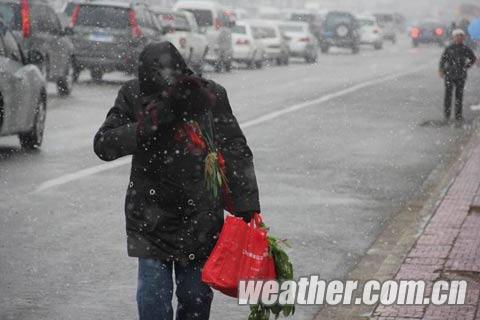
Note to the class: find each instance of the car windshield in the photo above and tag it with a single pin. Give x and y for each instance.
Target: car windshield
(204, 17)
(384, 19)
(334, 19)
(175, 22)
(291, 28)
(269, 33)
(305, 17)
(103, 17)
(10, 13)
(239, 29)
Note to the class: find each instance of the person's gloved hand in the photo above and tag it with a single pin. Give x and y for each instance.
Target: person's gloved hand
(155, 114)
(245, 215)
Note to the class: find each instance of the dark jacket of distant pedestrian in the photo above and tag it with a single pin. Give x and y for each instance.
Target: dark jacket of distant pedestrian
(454, 63)
(170, 215)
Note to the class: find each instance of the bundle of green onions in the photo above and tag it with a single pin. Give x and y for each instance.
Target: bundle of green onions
(284, 270)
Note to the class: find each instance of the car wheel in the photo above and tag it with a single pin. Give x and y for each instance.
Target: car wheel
(34, 138)
(259, 64)
(96, 74)
(377, 46)
(65, 84)
(218, 66)
(228, 66)
(76, 72)
(324, 49)
(415, 44)
(355, 49)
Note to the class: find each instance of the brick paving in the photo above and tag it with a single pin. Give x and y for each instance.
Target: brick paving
(448, 248)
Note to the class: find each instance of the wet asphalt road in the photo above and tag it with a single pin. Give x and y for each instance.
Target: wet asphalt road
(357, 137)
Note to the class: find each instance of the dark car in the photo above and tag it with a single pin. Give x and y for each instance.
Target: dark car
(23, 97)
(340, 29)
(109, 36)
(37, 27)
(429, 32)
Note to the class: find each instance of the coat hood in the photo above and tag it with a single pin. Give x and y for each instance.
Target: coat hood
(154, 58)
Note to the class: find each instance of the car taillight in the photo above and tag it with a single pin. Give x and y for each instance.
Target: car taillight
(415, 33)
(75, 12)
(304, 39)
(132, 17)
(243, 42)
(218, 24)
(376, 31)
(439, 32)
(25, 15)
(183, 43)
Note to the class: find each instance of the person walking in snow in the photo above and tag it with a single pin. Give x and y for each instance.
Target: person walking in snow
(454, 63)
(174, 122)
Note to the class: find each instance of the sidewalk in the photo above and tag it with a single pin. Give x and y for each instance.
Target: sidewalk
(448, 248)
(438, 240)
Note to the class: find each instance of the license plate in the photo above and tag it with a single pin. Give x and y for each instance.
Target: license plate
(99, 37)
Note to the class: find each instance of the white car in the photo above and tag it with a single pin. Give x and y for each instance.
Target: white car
(370, 32)
(274, 42)
(301, 41)
(213, 20)
(181, 29)
(247, 45)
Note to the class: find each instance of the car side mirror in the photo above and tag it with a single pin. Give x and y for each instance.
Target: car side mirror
(68, 31)
(34, 57)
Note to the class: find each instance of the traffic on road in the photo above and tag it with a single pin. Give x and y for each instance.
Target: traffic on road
(326, 120)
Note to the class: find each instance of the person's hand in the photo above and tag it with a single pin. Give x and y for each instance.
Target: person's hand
(245, 215)
(155, 114)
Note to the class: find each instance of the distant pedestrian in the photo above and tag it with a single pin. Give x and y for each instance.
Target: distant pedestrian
(173, 218)
(455, 61)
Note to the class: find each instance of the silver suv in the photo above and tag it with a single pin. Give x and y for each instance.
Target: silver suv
(37, 27)
(109, 35)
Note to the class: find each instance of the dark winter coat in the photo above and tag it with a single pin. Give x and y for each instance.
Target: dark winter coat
(169, 212)
(455, 61)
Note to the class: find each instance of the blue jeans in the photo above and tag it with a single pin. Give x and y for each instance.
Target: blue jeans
(155, 291)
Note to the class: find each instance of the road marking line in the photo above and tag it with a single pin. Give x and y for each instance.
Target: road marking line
(262, 119)
(82, 174)
(475, 108)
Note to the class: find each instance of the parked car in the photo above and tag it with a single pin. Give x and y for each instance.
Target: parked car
(109, 36)
(274, 42)
(23, 95)
(388, 24)
(181, 29)
(37, 27)
(340, 29)
(301, 41)
(429, 32)
(311, 17)
(247, 45)
(216, 23)
(370, 32)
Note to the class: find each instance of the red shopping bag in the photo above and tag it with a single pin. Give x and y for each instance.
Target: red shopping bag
(241, 253)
